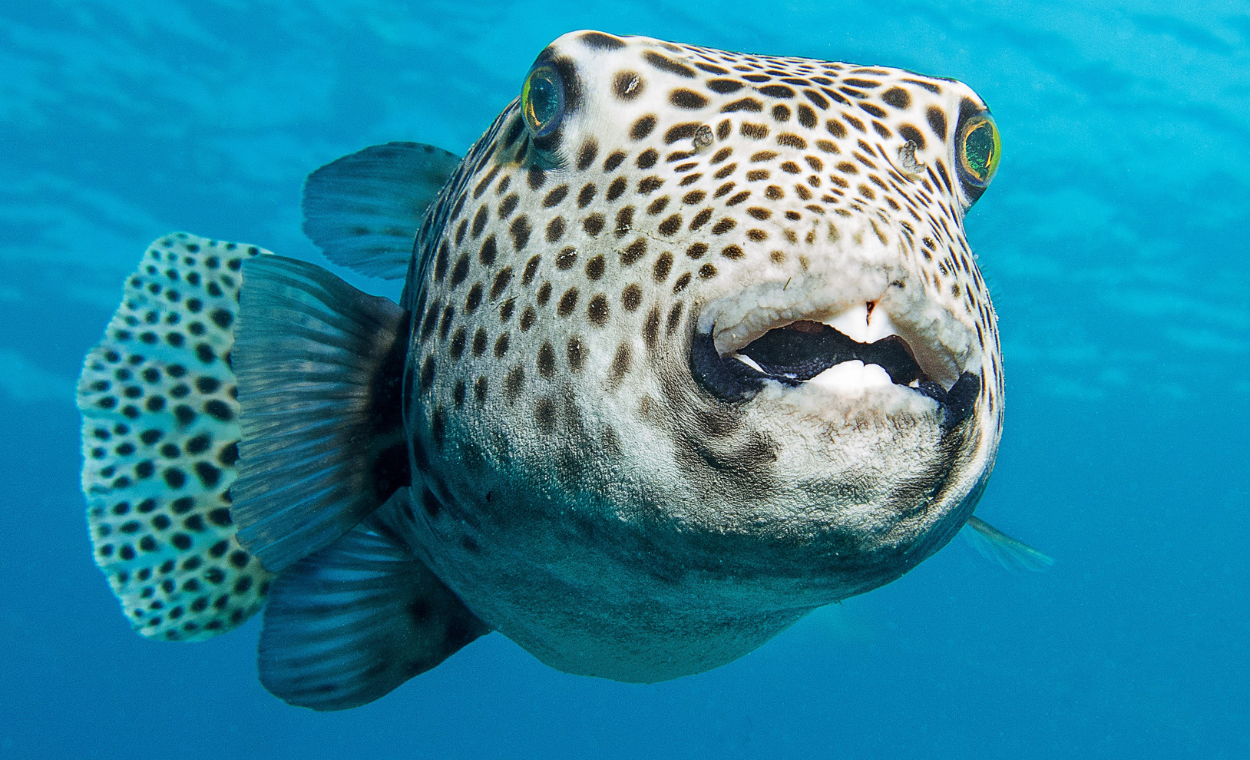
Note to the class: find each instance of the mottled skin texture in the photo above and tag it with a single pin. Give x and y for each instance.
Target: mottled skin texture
(576, 487)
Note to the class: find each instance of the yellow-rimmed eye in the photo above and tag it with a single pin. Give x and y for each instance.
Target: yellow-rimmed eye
(979, 149)
(542, 100)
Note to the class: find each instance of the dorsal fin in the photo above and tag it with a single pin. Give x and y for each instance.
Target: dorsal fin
(363, 210)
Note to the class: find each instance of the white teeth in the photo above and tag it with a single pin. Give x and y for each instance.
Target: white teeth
(749, 362)
(863, 325)
(851, 376)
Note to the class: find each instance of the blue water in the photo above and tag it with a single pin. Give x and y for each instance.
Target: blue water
(1114, 238)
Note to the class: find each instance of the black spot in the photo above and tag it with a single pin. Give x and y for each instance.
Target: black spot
(531, 267)
(913, 135)
(631, 297)
(501, 345)
(937, 120)
(488, 252)
(556, 196)
(643, 127)
(502, 279)
(221, 318)
(535, 177)
(687, 99)
(646, 159)
(620, 364)
(513, 384)
(624, 221)
(206, 385)
(651, 328)
(586, 195)
(648, 185)
(508, 205)
(545, 415)
(666, 64)
(204, 353)
(613, 161)
(593, 224)
(597, 310)
(745, 104)
(576, 353)
(897, 97)
(663, 265)
(724, 86)
(520, 231)
(427, 373)
(627, 85)
(595, 267)
(601, 41)
(633, 252)
(479, 221)
(616, 189)
(218, 410)
(208, 474)
(462, 269)
(474, 299)
(555, 229)
(199, 444)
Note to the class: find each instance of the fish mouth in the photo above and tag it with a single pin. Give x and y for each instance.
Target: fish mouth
(806, 351)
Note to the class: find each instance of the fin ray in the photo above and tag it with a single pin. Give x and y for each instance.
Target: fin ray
(353, 621)
(319, 366)
(1001, 548)
(363, 210)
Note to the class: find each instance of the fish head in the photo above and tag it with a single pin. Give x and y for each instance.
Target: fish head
(715, 312)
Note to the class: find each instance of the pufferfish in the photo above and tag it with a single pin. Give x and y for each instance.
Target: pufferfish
(690, 344)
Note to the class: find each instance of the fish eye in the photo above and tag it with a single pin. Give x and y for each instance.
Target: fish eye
(978, 150)
(542, 100)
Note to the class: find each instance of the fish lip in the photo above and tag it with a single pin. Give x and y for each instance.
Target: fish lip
(733, 381)
(736, 322)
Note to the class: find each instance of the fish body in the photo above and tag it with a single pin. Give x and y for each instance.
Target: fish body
(691, 343)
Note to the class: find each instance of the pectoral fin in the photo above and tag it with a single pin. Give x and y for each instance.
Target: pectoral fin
(350, 623)
(320, 368)
(999, 547)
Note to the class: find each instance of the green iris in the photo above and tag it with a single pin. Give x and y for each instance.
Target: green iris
(542, 100)
(979, 149)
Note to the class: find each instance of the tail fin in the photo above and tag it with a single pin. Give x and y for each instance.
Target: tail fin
(160, 438)
(321, 382)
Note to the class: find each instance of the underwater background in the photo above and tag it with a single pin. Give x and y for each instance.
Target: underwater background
(1114, 239)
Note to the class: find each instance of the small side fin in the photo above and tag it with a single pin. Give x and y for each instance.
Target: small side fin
(320, 368)
(999, 547)
(160, 433)
(350, 623)
(363, 210)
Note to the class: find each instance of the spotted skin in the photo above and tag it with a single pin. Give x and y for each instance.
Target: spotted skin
(582, 493)
(160, 445)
